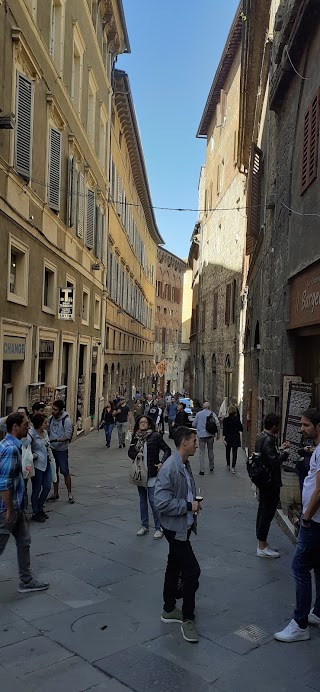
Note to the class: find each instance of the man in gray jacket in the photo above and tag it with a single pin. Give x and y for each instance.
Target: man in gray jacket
(174, 499)
(60, 433)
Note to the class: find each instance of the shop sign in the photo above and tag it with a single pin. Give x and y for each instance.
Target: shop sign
(46, 349)
(305, 298)
(66, 304)
(94, 355)
(14, 348)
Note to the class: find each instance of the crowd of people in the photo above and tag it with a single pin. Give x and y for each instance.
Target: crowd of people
(166, 484)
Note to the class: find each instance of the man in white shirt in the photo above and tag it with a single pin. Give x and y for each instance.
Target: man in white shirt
(307, 555)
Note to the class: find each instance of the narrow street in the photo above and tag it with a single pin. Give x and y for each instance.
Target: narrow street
(98, 626)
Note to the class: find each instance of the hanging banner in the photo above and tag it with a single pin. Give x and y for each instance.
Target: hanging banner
(66, 304)
(299, 399)
(162, 368)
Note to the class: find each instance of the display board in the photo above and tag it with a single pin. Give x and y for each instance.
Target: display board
(299, 399)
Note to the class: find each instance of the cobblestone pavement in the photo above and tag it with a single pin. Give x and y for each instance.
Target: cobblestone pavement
(98, 626)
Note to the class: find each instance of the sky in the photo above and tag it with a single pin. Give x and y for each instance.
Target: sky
(176, 46)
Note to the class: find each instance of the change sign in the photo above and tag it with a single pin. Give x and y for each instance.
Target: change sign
(66, 304)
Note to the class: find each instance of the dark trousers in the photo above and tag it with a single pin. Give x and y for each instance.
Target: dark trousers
(181, 562)
(306, 558)
(234, 455)
(19, 529)
(268, 502)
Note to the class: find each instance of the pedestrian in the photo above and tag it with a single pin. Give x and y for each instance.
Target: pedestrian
(155, 412)
(138, 409)
(181, 418)
(38, 407)
(116, 400)
(42, 455)
(162, 407)
(269, 494)
(174, 497)
(107, 421)
(307, 554)
(223, 410)
(305, 452)
(121, 417)
(147, 405)
(232, 427)
(206, 439)
(234, 402)
(60, 432)
(12, 517)
(146, 444)
(171, 411)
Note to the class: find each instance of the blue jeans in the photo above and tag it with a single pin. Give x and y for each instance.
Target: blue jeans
(108, 432)
(306, 558)
(146, 494)
(41, 481)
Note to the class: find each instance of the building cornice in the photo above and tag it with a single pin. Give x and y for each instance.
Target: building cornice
(114, 25)
(164, 254)
(228, 55)
(127, 116)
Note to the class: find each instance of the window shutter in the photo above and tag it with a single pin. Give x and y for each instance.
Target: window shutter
(54, 169)
(98, 234)
(109, 271)
(73, 190)
(228, 304)
(81, 204)
(215, 311)
(234, 301)
(119, 200)
(310, 144)
(254, 192)
(90, 219)
(24, 116)
(103, 239)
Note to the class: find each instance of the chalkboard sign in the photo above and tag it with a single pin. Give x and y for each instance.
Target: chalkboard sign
(299, 399)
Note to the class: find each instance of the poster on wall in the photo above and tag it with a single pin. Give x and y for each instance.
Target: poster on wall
(299, 399)
(66, 304)
(285, 392)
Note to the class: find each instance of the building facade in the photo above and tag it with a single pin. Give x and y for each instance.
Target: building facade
(219, 324)
(184, 385)
(168, 322)
(132, 256)
(54, 184)
(283, 318)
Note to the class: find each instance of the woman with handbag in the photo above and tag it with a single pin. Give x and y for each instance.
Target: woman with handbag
(144, 449)
(42, 459)
(107, 421)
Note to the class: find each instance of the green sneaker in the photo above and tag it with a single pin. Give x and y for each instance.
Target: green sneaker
(188, 631)
(174, 616)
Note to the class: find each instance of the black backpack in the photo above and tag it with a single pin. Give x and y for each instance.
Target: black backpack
(258, 469)
(211, 426)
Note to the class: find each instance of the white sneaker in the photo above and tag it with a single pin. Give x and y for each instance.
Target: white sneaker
(142, 531)
(293, 633)
(233, 470)
(158, 534)
(313, 619)
(267, 552)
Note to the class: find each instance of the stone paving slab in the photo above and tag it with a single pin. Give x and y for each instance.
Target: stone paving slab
(101, 615)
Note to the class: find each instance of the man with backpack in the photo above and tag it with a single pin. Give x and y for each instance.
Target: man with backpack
(207, 424)
(60, 432)
(272, 457)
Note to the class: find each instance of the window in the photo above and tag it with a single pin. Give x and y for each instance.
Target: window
(85, 305)
(57, 33)
(91, 116)
(173, 291)
(24, 126)
(228, 304)
(103, 137)
(223, 107)
(203, 321)
(80, 206)
(233, 301)
(166, 291)
(90, 225)
(254, 195)
(97, 306)
(164, 336)
(54, 174)
(215, 311)
(310, 144)
(49, 287)
(77, 68)
(18, 269)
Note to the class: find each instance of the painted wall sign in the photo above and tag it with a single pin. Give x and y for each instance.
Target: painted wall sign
(14, 348)
(305, 298)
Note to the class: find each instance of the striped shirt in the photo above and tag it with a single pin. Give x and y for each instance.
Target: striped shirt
(11, 471)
